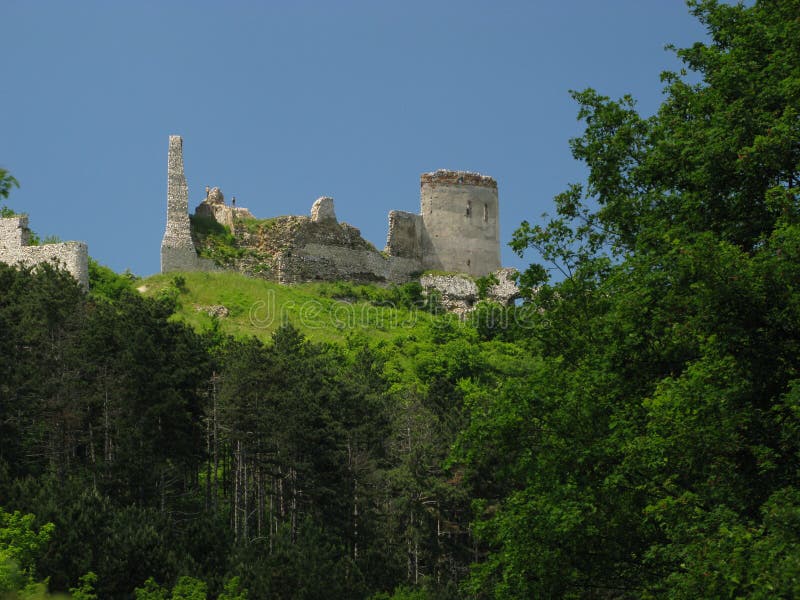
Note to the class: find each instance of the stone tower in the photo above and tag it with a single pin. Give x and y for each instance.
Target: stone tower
(177, 249)
(461, 227)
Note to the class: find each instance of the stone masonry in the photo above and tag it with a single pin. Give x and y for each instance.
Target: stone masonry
(214, 206)
(461, 231)
(456, 231)
(177, 248)
(460, 294)
(15, 249)
(322, 210)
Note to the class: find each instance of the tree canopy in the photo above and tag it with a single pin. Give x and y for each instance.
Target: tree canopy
(7, 182)
(631, 431)
(660, 456)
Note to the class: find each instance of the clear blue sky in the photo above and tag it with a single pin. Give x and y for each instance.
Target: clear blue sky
(279, 103)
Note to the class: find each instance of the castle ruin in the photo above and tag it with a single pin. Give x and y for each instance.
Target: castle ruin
(457, 230)
(16, 249)
(178, 252)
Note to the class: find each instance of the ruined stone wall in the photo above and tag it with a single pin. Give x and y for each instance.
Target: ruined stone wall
(71, 256)
(461, 226)
(299, 249)
(214, 206)
(296, 249)
(322, 211)
(179, 260)
(321, 249)
(14, 233)
(459, 293)
(322, 262)
(405, 235)
(14, 250)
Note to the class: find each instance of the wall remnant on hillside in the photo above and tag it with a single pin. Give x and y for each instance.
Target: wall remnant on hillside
(322, 210)
(15, 249)
(214, 206)
(504, 289)
(404, 238)
(460, 293)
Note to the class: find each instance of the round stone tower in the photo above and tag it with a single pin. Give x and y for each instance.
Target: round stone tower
(461, 229)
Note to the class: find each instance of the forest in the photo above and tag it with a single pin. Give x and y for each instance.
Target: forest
(630, 430)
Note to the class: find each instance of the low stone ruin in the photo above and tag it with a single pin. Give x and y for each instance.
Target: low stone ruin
(15, 249)
(459, 293)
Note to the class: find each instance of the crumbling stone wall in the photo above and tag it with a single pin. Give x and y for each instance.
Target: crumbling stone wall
(14, 233)
(295, 249)
(324, 262)
(322, 210)
(15, 250)
(506, 290)
(322, 249)
(214, 206)
(404, 238)
(318, 248)
(459, 293)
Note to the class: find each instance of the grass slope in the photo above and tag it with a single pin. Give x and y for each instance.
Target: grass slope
(257, 307)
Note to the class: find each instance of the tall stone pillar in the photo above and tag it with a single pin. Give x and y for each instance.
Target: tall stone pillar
(177, 249)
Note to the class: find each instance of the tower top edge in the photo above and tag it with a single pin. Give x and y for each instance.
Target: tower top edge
(449, 177)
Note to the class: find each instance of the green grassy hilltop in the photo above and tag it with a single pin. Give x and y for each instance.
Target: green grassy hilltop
(322, 311)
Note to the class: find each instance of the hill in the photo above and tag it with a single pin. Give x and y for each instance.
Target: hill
(243, 306)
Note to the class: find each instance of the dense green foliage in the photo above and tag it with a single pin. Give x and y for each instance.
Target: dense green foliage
(632, 431)
(7, 181)
(655, 451)
(217, 242)
(304, 469)
(21, 544)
